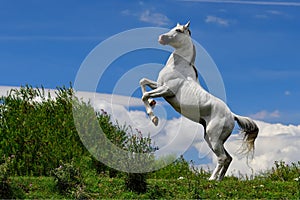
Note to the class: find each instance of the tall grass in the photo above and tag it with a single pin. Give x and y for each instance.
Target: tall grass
(39, 130)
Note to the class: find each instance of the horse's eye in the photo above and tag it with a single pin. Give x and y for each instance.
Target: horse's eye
(179, 30)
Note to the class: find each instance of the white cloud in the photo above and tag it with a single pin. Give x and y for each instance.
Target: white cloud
(149, 16)
(95, 98)
(5, 89)
(216, 20)
(264, 115)
(261, 16)
(271, 13)
(275, 12)
(126, 12)
(269, 130)
(287, 93)
(154, 18)
(262, 3)
(50, 37)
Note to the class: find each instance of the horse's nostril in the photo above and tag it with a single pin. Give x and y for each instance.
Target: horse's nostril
(162, 39)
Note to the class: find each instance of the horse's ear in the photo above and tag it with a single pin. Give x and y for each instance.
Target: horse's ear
(187, 25)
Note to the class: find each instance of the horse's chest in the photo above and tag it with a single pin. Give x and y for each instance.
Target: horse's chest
(165, 75)
(190, 102)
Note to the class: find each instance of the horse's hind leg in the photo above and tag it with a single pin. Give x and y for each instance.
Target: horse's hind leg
(215, 137)
(219, 151)
(224, 160)
(226, 165)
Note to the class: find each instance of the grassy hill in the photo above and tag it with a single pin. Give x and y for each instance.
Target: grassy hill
(42, 156)
(103, 187)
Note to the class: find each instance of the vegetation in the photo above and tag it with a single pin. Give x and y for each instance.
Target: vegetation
(42, 156)
(196, 186)
(38, 130)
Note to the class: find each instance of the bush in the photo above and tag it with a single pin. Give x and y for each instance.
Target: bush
(136, 182)
(137, 144)
(179, 168)
(38, 129)
(68, 179)
(284, 172)
(116, 134)
(7, 190)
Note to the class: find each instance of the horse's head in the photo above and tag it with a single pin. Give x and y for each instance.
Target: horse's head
(177, 36)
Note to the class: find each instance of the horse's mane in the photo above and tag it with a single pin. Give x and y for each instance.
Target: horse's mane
(193, 61)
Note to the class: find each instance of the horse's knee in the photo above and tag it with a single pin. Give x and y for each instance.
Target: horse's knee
(223, 157)
(228, 160)
(224, 160)
(145, 96)
(217, 148)
(142, 81)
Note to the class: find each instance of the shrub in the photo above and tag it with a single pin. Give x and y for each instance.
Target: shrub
(38, 129)
(178, 168)
(284, 172)
(136, 182)
(137, 144)
(68, 178)
(116, 134)
(7, 190)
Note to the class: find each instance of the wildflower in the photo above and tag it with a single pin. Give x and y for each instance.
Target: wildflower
(103, 112)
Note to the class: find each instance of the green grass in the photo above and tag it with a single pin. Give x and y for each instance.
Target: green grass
(36, 187)
(100, 187)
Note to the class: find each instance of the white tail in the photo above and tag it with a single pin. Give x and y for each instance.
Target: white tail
(250, 131)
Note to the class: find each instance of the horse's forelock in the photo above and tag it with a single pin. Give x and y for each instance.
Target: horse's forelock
(183, 28)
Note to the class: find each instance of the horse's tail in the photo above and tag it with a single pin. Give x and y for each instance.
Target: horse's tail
(249, 129)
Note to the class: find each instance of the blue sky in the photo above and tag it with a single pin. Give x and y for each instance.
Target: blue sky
(255, 45)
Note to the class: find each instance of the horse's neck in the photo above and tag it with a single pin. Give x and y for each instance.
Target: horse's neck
(182, 59)
(186, 53)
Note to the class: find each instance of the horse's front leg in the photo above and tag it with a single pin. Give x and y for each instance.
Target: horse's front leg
(153, 85)
(161, 91)
(149, 103)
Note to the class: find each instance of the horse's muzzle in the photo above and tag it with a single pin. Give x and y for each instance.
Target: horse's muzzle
(162, 39)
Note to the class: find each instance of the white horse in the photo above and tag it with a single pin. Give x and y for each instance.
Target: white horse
(178, 84)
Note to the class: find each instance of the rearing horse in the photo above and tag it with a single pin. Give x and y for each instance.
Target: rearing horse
(178, 84)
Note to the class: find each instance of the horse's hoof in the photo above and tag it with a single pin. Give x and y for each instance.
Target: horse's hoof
(152, 103)
(155, 120)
